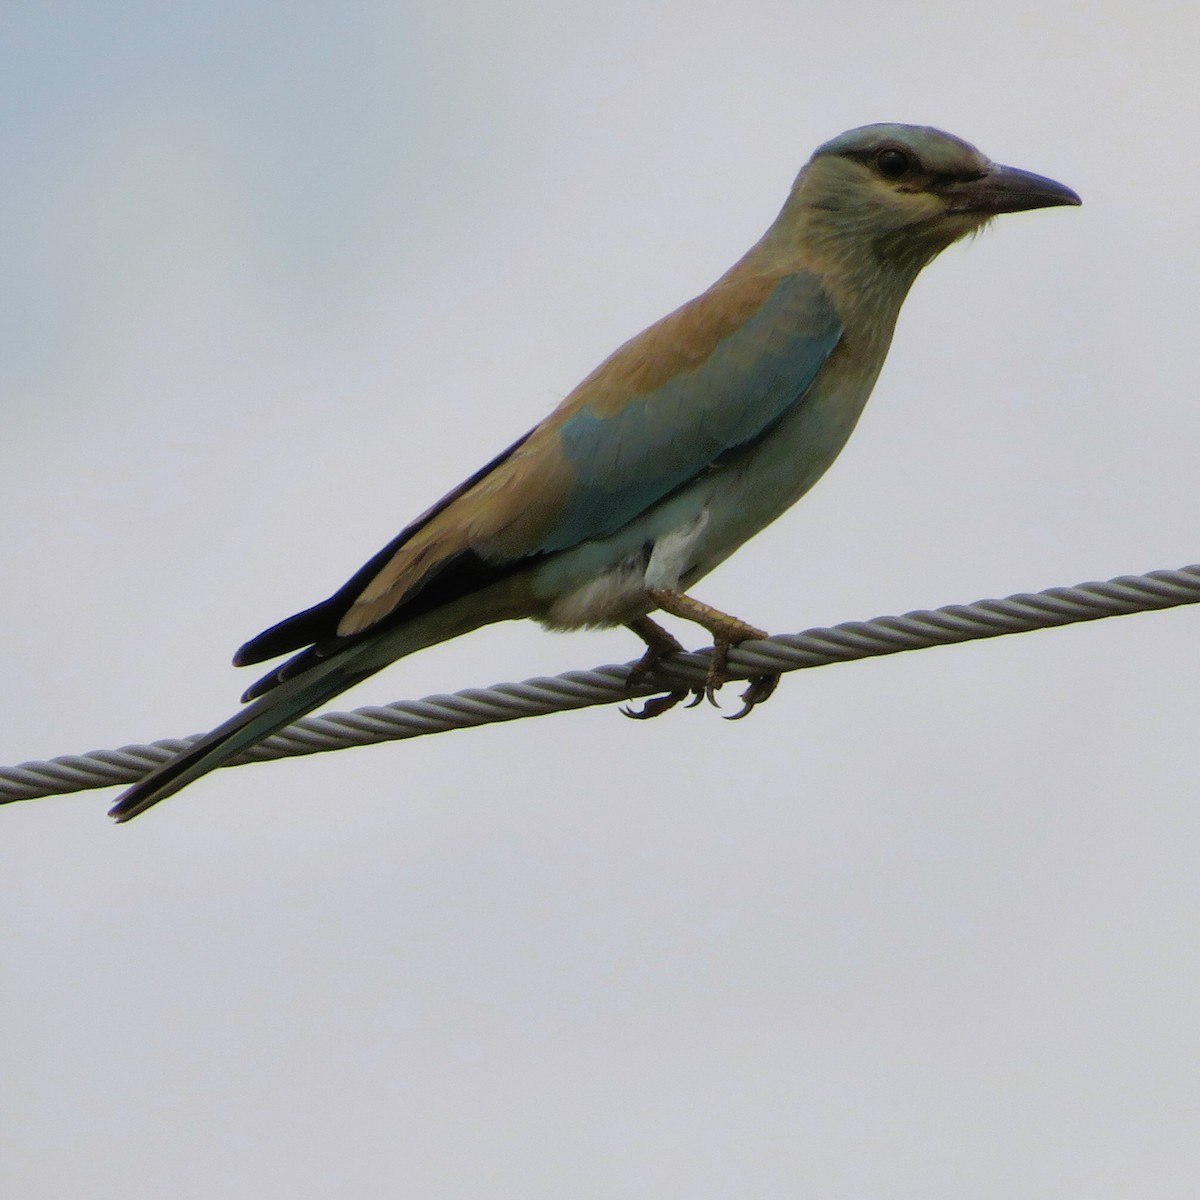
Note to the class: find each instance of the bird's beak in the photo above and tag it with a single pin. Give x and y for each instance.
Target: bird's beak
(1006, 190)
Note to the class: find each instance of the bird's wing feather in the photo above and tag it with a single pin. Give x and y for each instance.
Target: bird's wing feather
(741, 362)
(708, 378)
(320, 621)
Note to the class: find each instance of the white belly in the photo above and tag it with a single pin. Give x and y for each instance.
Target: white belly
(618, 595)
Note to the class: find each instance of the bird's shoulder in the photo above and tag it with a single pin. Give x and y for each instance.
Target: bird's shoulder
(732, 317)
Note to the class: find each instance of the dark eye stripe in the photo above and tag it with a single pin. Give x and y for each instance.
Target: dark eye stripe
(942, 178)
(930, 179)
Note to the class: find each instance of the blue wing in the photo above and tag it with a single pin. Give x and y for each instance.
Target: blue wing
(728, 393)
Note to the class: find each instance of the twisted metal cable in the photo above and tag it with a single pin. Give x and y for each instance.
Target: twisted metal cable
(606, 685)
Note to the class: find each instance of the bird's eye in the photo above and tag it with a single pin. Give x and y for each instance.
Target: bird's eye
(892, 163)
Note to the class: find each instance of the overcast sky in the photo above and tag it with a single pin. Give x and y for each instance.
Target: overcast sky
(275, 277)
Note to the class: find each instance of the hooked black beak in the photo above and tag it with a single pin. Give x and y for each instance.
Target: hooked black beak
(1006, 190)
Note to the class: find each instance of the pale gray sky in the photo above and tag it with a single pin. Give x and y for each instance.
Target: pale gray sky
(276, 276)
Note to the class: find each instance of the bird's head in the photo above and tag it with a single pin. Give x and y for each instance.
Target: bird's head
(903, 193)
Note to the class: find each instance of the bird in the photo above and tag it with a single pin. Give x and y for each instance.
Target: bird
(684, 443)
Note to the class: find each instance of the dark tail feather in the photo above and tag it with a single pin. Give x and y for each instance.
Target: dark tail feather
(280, 708)
(319, 623)
(311, 678)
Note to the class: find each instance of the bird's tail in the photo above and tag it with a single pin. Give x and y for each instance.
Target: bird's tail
(289, 699)
(280, 707)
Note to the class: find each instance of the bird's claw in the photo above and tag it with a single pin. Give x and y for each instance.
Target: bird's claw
(727, 632)
(659, 643)
(717, 678)
(760, 689)
(655, 706)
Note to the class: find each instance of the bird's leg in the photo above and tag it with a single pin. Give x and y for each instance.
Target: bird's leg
(659, 643)
(726, 631)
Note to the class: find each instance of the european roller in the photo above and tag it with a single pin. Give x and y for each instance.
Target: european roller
(679, 447)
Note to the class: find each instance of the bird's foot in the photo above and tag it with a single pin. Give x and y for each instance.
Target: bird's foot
(727, 631)
(761, 688)
(659, 643)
